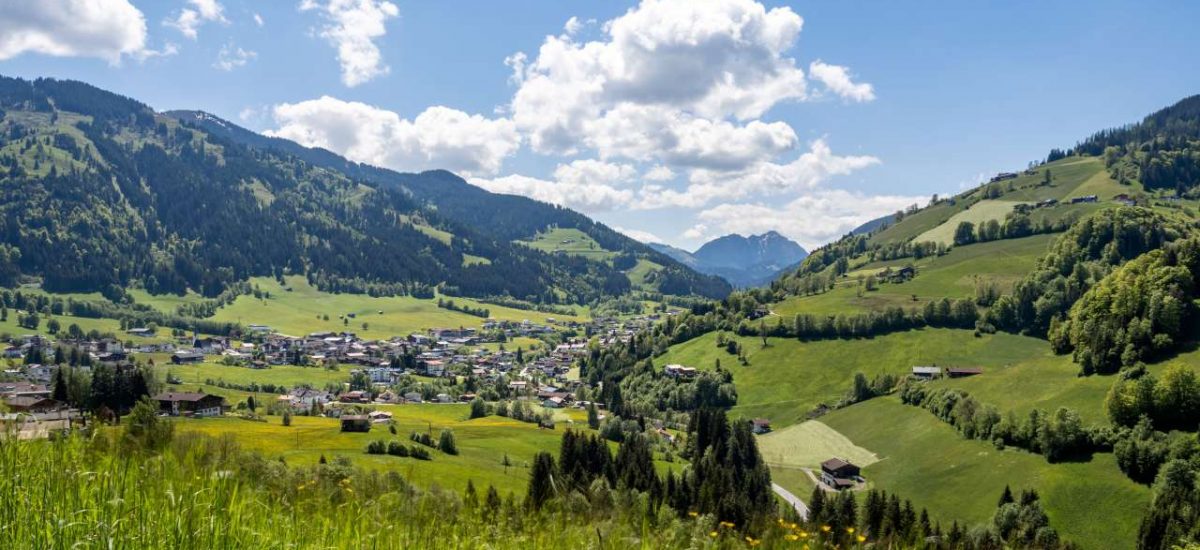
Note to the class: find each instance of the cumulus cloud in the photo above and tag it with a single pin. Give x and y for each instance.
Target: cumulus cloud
(587, 184)
(812, 219)
(587, 171)
(106, 29)
(588, 197)
(352, 26)
(439, 137)
(806, 172)
(258, 20)
(837, 79)
(639, 235)
(231, 57)
(667, 69)
(198, 13)
(696, 231)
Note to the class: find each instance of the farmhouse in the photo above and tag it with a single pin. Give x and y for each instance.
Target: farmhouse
(27, 404)
(1085, 198)
(679, 371)
(190, 404)
(760, 425)
(927, 372)
(356, 423)
(960, 372)
(838, 473)
(182, 357)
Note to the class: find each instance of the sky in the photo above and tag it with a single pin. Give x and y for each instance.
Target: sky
(671, 121)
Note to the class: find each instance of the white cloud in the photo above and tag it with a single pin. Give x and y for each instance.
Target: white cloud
(588, 197)
(837, 79)
(232, 57)
(191, 18)
(811, 219)
(666, 69)
(439, 137)
(258, 20)
(582, 172)
(587, 184)
(106, 29)
(352, 26)
(639, 235)
(572, 25)
(696, 231)
(808, 171)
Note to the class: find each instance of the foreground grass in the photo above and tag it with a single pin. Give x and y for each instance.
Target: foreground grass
(1091, 503)
(483, 443)
(207, 494)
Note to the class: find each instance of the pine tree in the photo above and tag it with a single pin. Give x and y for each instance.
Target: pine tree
(541, 481)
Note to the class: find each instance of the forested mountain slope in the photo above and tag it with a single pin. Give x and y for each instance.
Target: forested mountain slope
(507, 217)
(99, 193)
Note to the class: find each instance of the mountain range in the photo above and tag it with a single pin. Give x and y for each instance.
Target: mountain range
(98, 192)
(743, 261)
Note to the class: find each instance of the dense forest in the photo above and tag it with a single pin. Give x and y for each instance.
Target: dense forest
(1161, 152)
(100, 193)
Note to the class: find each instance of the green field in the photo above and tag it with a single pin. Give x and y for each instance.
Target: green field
(568, 241)
(301, 311)
(285, 375)
(789, 378)
(922, 458)
(807, 444)
(87, 324)
(482, 443)
(978, 213)
(1071, 177)
(953, 275)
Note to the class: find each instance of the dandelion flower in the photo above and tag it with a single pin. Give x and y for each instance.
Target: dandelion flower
(861, 538)
(712, 534)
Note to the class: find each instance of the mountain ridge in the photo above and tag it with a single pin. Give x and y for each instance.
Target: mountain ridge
(743, 261)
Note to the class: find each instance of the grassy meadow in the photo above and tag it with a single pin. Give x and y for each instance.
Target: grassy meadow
(568, 240)
(1091, 503)
(789, 378)
(482, 443)
(302, 310)
(953, 275)
(978, 213)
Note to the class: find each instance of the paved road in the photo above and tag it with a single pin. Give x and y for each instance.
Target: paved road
(795, 501)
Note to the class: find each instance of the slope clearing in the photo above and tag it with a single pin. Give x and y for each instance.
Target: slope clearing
(1091, 503)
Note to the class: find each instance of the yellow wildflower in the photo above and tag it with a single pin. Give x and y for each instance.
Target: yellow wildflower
(862, 538)
(713, 534)
(693, 514)
(850, 530)
(791, 537)
(826, 528)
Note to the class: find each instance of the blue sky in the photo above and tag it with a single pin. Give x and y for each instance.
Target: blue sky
(673, 121)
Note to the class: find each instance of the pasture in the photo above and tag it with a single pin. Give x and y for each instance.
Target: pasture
(926, 460)
(789, 378)
(297, 309)
(568, 240)
(953, 275)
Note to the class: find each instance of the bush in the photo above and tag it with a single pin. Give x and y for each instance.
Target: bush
(376, 447)
(446, 442)
(396, 449)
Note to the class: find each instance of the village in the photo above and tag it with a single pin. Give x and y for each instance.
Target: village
(375, 371)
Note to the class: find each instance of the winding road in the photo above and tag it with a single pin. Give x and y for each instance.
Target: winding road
(794, 500)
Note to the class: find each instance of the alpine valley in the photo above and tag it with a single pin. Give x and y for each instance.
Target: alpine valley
(216, 337)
